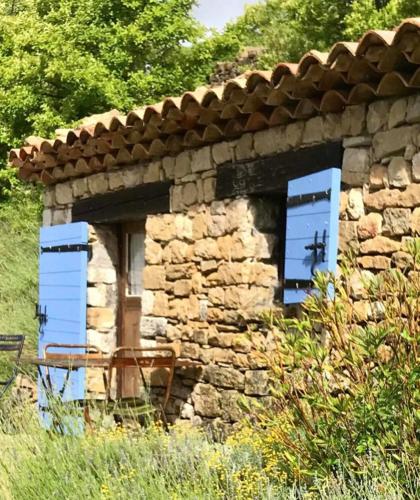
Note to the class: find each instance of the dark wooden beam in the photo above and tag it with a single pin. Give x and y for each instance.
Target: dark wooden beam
(125, 205)
(271, 175)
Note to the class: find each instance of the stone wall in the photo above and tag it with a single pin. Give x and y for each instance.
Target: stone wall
(210, 265)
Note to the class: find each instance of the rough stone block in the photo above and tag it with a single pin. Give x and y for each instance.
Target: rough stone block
(153, 252)
(413, 109)
(347, 236)
(100, 318)
(396, 221)
(64, 193)
(245, 148)
(294, 134)
(115, 180)
(190, 193)
(391, 142)
(377, 115)
(378, 176)
(154, 277)
(228, 378)
(178, 252)
(147, 302)
(96, 296)
(152, 172)
(183, 165)
(415, 222)
(380, 245)
(160, 227)
(270, 141)
(133, 176)
(357, 142)
(384, 198)
(230, 405)
(356, 166)
(101, 275)
(369, 226)
(416, 167)
(80, 187)
(397, 113)
(160, 304)
(201, 160)
(313, 131)
(176, 203)
(222, 152)
(355, 205)
(151, 328)
(354, 120)
(48, 196)
(206, 401)
(399, 172)
(256, 382)
(183, 288)
(47, 215)
(377, 262)
(207, 249)
(98, 183)
(168, 165)
(402, 260)
(209, 189)
(332, 127)
(61, 216)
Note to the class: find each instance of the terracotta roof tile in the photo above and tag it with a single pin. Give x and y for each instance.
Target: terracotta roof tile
(381, 64)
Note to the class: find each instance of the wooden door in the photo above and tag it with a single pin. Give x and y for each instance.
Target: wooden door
(131, 289)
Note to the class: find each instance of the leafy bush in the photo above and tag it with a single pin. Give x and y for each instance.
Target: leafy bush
(345, 388)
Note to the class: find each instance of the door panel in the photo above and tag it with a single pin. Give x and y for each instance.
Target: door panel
(131, 288)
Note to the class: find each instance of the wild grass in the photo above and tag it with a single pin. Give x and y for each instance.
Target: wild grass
(151, 463)
(19, 226)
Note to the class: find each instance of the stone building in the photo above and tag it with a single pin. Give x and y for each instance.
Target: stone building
(206, 209)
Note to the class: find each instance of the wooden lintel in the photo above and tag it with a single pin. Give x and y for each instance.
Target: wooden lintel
(271, 175)
(126, 205)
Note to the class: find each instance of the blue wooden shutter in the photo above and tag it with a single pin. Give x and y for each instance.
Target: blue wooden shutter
(62, 296)
(309, 219)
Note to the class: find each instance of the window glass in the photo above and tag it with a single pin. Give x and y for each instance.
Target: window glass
(135, 263)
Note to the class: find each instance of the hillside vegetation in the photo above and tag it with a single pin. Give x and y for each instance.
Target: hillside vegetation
(19, 223)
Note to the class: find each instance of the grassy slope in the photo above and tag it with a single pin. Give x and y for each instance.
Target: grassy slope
(19, 225)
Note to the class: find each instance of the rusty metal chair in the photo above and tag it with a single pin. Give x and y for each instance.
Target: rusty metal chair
(75, 361)
(141, 358)
(13, 345)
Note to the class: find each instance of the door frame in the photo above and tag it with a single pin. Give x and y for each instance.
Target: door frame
(124, 300)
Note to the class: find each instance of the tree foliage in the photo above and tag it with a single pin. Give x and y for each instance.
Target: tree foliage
(289, 28)
(64, 60)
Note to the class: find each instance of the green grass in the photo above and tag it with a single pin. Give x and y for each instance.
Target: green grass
(149, 463)
(19, 226)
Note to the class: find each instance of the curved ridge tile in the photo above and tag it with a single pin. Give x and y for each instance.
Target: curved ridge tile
(374, 37)
(392, 84)
(348, 48)
(282, 69)
(310, 58)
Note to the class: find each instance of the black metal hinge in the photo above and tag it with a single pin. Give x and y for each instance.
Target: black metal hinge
(79, 247)
(302, 199)
(298, 284)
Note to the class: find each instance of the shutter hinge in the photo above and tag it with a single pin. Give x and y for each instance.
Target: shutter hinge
(78, 247)
(302, 199)
(291, 284)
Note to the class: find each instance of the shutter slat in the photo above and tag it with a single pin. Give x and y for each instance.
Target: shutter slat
(303, 222)
(63, 293)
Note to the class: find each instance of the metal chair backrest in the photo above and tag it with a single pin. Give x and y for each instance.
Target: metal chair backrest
(142, 357)
(12, 344)
(92, 351)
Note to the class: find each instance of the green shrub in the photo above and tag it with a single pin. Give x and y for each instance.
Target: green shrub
(346, 386)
